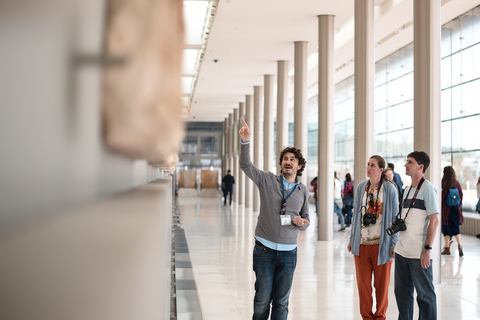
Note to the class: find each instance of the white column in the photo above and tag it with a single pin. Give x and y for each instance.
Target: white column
(224, 147)
(282, 110)
(226, 158)
(300, 101)
(426, 46)
(257, 138)
(326, 135)
(235, 166)
(230, 141)
(364, 86)
(268, 123)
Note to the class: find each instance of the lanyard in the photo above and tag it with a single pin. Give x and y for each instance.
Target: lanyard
(283, 189)
(375, 206)
(414, 197)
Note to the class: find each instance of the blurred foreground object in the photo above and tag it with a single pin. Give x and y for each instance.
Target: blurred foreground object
(142, 98)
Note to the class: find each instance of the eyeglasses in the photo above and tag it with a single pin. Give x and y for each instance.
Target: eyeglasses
(370, 201)
(284, 205)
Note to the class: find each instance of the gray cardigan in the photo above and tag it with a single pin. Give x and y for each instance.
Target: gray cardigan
(269, 185)
(390, 210)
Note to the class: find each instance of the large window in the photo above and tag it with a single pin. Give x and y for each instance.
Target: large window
(393, 124)
(460, 111)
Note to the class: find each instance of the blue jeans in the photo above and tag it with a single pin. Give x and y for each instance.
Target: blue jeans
(340, 214)
(349, 214)
(409, 274)
(274, 271)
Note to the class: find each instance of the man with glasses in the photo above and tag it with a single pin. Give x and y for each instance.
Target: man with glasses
(283, 212)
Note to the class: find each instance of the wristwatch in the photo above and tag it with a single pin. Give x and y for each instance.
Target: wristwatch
(427, 247)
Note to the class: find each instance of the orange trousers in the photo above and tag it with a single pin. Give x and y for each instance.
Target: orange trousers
(365, 265)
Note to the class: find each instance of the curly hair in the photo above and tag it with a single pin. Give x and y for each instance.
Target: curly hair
(298, 155)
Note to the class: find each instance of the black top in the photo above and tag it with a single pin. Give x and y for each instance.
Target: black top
(228, 180)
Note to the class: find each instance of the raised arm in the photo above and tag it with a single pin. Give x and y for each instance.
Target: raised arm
(245, 132)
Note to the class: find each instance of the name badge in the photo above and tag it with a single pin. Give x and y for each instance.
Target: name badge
(286, 219)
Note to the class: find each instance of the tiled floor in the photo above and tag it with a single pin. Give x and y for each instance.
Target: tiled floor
(220, 241)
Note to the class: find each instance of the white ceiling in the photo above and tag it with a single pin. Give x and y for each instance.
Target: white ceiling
(249, 36)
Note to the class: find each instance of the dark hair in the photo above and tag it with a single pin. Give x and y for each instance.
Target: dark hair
(298, 155)
(348, 177)
(228, 171)
(449, 177)
(381, 164)
(421, 157)
(391, 166)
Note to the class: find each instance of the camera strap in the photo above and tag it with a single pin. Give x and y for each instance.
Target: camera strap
(413, 199)
(367, 189)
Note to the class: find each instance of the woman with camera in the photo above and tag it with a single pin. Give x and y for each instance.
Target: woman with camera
(375, 208)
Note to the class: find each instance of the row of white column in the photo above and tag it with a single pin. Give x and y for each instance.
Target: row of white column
(426, 109)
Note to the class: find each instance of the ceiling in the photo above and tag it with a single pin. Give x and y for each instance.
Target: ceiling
(241, 41)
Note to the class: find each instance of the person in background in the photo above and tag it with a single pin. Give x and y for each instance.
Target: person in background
(283, 212)
(413, 262)
(389, 176)
(313, 183)
(376, 205)
(452, 217)
(227, 182)
(337, 201)
(478, 195)
(347, 195)
(396, 177)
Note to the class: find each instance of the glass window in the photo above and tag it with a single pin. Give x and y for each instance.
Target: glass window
(457, 135)
(380, 121)
(467, 73)
(466, 29)
(381, 144)
(446, 74)
(380, 72)
(189, 146)
(380, 97)
(208, 146)
(456, 74)
(457, 101)
(470, 98)
(455, 35)
(446, 104)
(400, 116)
(446, 136)
(470, 132)
(471, 67)
(467, 170)
(400, 143)
(446, 48)
(476, 25)
(400, 89)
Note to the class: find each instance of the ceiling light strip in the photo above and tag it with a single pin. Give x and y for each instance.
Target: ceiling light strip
(207, 27)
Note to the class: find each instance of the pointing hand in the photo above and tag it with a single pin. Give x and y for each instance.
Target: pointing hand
(245, 132)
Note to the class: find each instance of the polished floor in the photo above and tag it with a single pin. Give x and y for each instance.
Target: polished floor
(220, 241)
